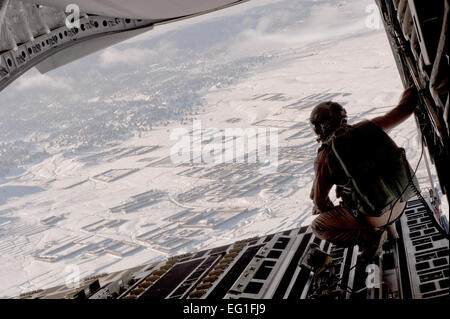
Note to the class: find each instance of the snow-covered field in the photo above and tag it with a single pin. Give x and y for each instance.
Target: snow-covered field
(87, 181)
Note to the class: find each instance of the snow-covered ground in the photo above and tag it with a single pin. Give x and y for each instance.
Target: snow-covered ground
(78, 144)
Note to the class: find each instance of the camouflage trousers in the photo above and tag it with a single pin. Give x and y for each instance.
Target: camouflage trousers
(341, 228)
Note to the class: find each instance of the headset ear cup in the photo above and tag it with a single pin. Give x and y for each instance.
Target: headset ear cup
(343, 116)
(318, 130)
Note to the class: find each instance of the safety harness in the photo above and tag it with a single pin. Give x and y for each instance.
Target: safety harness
(378, 174)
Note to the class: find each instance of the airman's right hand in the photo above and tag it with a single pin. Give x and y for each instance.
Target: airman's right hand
(411, 95)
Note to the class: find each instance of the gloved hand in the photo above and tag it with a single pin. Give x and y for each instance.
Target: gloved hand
(326, 207)
(410, 96)
(315, 211)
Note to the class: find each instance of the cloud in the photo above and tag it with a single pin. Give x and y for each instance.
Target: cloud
(114, 56)
(255, 30)
(126, 55)
(301, 22)
(43, 81)
(231, 11)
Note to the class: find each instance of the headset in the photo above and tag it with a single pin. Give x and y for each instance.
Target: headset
(326, 118)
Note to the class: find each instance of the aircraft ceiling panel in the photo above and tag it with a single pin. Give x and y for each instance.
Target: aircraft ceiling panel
(140, 9)
(85, 48)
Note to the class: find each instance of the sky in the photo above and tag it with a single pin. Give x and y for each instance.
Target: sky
(121, 89)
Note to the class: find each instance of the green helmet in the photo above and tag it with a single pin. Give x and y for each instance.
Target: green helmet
(326, 118)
